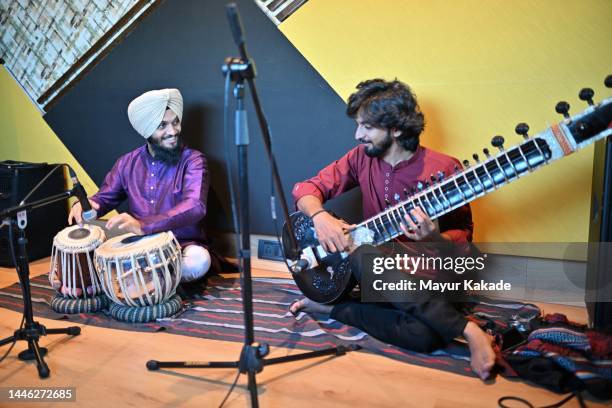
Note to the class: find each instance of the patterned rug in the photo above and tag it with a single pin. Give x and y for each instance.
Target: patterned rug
(216, 313)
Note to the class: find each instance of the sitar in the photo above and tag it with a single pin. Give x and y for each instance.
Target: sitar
(327, 277)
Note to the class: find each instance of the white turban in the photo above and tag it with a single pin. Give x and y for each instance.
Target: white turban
(147, 111)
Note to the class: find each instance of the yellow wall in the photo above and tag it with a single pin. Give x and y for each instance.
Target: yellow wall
(478, 67)
(26, 136)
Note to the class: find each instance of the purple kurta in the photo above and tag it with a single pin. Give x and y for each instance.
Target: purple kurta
(160, 195)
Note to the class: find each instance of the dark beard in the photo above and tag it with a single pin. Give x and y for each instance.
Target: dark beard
(170, 156)
(377, 151)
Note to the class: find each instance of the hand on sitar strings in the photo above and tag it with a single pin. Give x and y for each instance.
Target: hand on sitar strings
(332, 232)
(418, 226)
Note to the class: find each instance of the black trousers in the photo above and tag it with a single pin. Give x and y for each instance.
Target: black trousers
(424, 325)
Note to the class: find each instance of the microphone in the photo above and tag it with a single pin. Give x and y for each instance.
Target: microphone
(78, 191)
(235, 24)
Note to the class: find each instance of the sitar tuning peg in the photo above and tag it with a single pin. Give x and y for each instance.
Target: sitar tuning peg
(406, 193)
(486, 152)
(433, 179)
(419, 186)
(586, 94)
(396, 197)
(466, 163)
(562, 108)
(522, 129)
(441, 175)
(498, 141)
(387, 202)
(475, 157)
(608, 81)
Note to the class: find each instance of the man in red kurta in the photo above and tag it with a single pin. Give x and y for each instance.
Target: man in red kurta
(388, 162)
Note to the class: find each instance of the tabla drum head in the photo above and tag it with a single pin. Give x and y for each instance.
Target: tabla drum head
(76, 239)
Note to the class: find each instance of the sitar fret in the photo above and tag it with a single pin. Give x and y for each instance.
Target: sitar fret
(433, 193)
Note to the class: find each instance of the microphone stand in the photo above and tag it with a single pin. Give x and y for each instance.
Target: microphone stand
(16, 219)
(252, 356)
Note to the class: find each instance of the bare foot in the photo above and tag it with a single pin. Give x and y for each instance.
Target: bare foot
(308, 306)
(482, 356)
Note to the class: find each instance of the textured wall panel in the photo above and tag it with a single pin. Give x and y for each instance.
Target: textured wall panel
(40, 40)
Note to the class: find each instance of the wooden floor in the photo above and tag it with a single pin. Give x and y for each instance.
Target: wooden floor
(107, 367)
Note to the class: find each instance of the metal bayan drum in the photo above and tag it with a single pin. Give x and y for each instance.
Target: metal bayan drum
(139, 274)
(72, 273)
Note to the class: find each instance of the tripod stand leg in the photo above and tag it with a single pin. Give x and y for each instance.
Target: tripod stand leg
(338, 351)
(253, 388)
(8, 340)
(153, 365)
(35, 352)
(72, 330)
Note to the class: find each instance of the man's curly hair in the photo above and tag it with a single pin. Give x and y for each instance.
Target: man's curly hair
(389, 105)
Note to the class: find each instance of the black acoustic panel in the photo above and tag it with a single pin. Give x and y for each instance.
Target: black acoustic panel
(183, 44)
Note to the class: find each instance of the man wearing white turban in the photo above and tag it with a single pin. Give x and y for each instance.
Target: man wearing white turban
(165, 183)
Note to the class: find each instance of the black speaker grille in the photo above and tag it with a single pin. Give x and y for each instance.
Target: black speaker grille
(5, 184)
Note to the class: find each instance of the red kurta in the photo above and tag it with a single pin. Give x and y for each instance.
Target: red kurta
(379, 181)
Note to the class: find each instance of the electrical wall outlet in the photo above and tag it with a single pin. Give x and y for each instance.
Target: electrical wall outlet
(270, 250)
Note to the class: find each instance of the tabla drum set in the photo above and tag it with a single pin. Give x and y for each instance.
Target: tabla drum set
(134, 276)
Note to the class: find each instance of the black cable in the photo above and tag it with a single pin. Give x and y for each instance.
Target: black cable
(12, 248)
(13, 343)
(528, 404)
(501, 401)
(230, 390)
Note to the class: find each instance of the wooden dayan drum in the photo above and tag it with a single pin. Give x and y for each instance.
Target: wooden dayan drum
(72, 273)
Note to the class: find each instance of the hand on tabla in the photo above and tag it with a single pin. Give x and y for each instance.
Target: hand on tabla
(126, 223)
(76, 212)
